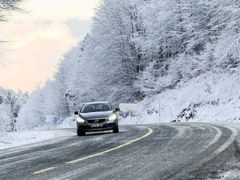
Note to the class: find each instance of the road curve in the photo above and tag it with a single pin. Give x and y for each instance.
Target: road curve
(164, 151)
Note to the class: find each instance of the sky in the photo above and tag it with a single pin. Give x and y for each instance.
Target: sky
(38, 38)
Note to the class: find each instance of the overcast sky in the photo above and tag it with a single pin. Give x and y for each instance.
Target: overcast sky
(39, 38)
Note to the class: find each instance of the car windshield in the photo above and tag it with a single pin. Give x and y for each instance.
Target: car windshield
(96, 107)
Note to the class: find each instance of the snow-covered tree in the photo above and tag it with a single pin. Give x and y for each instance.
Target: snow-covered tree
(32, 113)
(10, 104)
(186, 39)
(55, 102)
(106, 63)
(118, 58)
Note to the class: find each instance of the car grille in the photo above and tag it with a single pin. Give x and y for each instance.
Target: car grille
(96, 121)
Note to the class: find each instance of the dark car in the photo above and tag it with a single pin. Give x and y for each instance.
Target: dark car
(96, 116)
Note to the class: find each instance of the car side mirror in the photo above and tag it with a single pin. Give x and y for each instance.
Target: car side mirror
(76, 112)
(117, 110)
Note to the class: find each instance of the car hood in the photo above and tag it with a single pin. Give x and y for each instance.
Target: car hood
(96, 115)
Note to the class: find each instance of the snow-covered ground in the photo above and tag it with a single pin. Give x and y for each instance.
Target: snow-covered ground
(211, 97)
(231, 175)
(47, 132)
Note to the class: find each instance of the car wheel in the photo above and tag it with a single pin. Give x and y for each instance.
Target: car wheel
(116, 129)
(81, 133)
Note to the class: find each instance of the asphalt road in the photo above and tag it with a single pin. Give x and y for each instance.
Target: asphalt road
(166, 151)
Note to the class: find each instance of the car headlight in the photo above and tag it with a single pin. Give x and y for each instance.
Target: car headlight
(80, 120)
(112, 117)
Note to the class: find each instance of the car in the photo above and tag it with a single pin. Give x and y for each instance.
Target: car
(96, 116)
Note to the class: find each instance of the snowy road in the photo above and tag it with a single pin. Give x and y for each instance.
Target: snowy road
(167, 151)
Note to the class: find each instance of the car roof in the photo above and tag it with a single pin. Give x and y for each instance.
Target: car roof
(98, 102)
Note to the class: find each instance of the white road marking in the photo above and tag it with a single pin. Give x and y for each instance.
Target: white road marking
(215, 139)
(228, 142)
(218, 151)
(224, 146)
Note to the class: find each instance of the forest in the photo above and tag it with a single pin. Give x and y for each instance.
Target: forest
(142, 49)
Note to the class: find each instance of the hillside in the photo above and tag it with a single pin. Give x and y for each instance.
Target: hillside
(181, 57)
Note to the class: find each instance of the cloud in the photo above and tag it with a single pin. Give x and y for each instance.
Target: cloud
(35, 55)
(61, 9)
(40, 37)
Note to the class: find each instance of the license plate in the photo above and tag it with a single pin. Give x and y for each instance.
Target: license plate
(96, 125)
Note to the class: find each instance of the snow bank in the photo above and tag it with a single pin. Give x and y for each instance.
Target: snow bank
(211, 97)
(230, 175)
(14, 139)
(38, 134)
(69, 122)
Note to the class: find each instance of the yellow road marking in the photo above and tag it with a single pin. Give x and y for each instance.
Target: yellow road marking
(44, 170)
(150, 131)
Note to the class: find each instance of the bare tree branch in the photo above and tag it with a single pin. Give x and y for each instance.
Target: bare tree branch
(8, 5)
